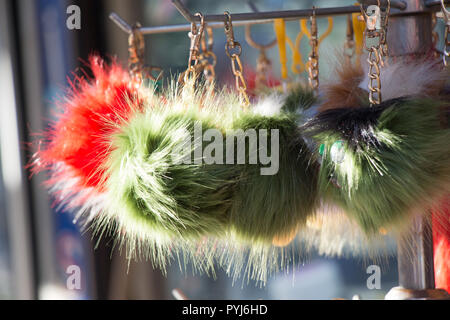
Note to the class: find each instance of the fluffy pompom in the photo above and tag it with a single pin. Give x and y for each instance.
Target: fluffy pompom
(381, 163)
(77, 143)
(157, 186)
(329, 231)
(441, 239)
(275, 205)
(344, 89)
(399, 78)
(165, 200)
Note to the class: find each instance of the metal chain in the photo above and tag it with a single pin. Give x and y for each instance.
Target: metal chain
(236, 64)
(313, 60)
(385, 23)
(195, 35)
(136, 50)
(374, 75)
(207, 58)
(375, 29)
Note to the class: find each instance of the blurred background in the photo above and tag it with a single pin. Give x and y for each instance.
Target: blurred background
(37, 242)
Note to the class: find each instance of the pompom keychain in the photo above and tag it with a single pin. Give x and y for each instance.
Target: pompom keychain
(161, 198)
(76, 145)
(382, 164)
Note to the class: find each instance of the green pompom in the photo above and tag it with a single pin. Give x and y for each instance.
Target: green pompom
(266, 206)
(156, 183)
(167, 201)
(382, 163)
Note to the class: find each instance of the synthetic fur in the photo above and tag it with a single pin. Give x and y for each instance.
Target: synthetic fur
(147, 186)
(355, 125)
(343, 89)
(403, 158)
(329, 231)
(141, 175)
(108, 155)
(441, 241)
(402, 77)
(280, 202)
(298, 101)
(203, 213)
(420, 78)
(76, 144)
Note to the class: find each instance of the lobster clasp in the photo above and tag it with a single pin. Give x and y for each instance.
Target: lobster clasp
(373, 18)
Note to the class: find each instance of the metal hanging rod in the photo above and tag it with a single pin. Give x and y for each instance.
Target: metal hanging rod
(431, 3)
(175, 27)
(287, 14)
(241, 19)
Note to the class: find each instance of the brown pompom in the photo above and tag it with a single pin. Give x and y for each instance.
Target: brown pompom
(343, 90)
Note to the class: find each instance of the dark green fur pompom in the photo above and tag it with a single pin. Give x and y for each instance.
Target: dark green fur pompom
(298, 99)
(175, 192)
(267, 206)
(381, 164)
(155, 183)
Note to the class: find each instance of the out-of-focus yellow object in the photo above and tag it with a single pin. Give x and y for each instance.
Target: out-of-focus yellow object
(297, 66)
(358, 29)
(280, 31)
(305, 30)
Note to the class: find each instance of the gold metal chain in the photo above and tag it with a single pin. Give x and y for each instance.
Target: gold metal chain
(375, 28)
(233, 50)
(313, 60)
(136, 49)
(207, 58)
(385, 22)
(374, 75)
(195, 35)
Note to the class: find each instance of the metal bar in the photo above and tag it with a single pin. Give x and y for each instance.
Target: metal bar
(402, 5)
(238, 19)
(252, 6)
(415, 256)
(271, 15)
(187, 27)
(242, 19)
(287, 14)
(184, 11)
(121, 23)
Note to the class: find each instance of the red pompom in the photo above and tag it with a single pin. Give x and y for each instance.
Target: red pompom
(441, 240)
(76, 145)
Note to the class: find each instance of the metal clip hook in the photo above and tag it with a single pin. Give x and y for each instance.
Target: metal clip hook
(373, 20)
(195, 36)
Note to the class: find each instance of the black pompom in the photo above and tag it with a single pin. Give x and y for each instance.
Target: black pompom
(355, 125)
